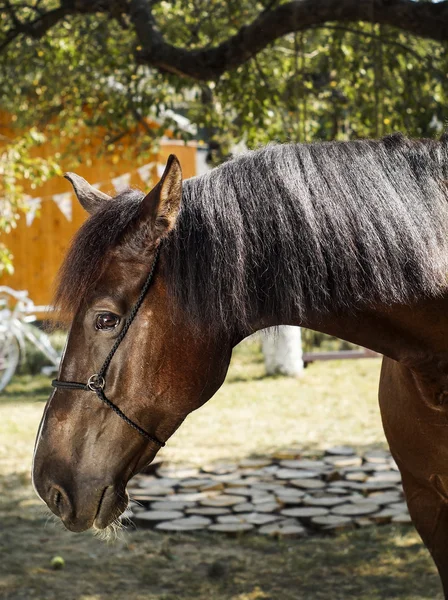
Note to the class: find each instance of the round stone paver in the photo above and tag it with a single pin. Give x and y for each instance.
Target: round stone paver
(220, 501)
(231, 528)
(305, 512)
(262, 498)
(403, 519)
(386, 498)
(261, 519)
(239, 491)
(385, 477)
(255, 463)
(232, 519)
(340, 451)
(185, 524)
(245, 507)
(304, 464)
(295, 474)
(207, 511)
(283, 530)
(343, 461)
(325, 501)
(151, 517)
(356, 476)
(289, 500)
(384, 516)
(398, 506)
(377, 456)
(264, 486)
(267, 507)
(355, 510)
(173, 505)
(220, 469)
(308, 484)
(288, 494)
(373, 486)
(331, 521)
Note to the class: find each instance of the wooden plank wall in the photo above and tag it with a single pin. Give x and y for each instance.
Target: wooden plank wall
(39, 249)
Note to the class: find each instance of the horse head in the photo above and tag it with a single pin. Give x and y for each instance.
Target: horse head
(161, 370)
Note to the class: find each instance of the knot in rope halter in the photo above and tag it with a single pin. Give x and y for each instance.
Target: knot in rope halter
(97, 382)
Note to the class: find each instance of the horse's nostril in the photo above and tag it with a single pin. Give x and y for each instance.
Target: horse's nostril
(56, 501)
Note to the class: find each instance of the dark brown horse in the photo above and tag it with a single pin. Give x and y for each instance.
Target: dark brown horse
(348, 238)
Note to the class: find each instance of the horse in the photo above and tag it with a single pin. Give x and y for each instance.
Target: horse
(347, 238)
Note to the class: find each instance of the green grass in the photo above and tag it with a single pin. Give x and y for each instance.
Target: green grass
(251, 415)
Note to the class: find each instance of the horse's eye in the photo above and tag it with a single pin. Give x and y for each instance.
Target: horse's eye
(106, 321)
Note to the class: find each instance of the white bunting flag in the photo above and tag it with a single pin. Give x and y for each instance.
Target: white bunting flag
(145, 172)
(6, 210)
(64, 202)
(160, 170)
(122, 182)
(33, 205)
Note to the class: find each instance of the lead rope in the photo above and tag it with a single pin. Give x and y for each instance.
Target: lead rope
(97, 382)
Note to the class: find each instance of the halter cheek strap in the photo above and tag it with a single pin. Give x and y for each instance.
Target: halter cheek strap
(97, 382)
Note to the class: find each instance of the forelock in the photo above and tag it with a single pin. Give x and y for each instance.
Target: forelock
(85, 259)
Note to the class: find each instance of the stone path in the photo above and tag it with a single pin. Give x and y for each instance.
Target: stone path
(285, 495)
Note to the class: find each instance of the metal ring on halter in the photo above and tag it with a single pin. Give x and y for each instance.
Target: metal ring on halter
(96, 382)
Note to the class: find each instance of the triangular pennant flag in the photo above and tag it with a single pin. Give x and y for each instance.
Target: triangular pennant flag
(145, 171)
(160, 170)
(33, 205)
(121, 182)
(6, 209)
(64, 202)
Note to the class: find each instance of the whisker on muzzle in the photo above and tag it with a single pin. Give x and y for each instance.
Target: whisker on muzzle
(111, 533)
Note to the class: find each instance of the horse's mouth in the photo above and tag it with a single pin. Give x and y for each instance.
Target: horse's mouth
(112, 502)
(110, 506)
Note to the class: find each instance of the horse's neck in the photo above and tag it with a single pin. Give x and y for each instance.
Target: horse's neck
(409, 334)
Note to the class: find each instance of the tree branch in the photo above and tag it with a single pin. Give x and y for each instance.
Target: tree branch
(425, 19)
(384, 39)
(36, 28)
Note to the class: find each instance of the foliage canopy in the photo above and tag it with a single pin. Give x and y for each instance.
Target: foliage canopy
(80, 70)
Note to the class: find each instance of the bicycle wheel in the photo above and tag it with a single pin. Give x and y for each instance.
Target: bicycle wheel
(42, 342)
(9, 357)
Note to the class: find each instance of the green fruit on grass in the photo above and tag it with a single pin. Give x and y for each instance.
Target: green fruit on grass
(57, 562)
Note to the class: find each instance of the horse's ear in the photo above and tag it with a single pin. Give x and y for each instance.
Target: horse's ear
(161, 206)
(90, 198)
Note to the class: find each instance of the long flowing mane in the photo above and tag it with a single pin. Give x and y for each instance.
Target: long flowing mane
(292, 228)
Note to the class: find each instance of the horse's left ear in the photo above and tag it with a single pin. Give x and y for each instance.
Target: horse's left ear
(161, 206)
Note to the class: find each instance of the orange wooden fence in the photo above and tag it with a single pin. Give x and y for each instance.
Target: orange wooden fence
(38, 249)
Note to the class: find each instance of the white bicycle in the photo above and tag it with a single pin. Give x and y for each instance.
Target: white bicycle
(17, 313)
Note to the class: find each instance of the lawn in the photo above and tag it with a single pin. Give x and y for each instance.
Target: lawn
(334, 403)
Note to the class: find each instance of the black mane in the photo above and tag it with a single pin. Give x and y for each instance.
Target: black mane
(296, 227)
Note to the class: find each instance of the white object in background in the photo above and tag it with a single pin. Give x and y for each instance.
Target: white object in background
(64, 203)
(121, 182)
(145, 172)
(201, 160)
(34, 205)
(282, 349)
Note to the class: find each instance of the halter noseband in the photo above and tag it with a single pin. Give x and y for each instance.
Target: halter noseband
(97, 382)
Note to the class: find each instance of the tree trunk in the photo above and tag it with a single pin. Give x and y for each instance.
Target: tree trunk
(282, 349)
